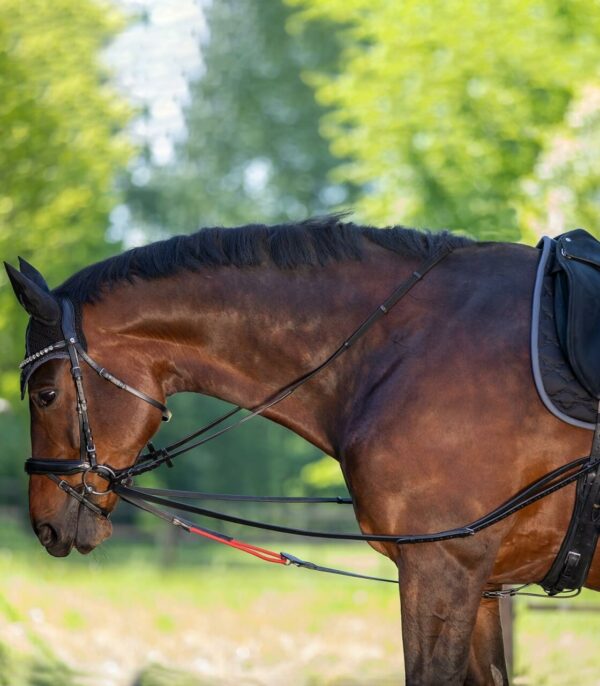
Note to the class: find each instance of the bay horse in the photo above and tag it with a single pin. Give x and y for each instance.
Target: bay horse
(433, 416)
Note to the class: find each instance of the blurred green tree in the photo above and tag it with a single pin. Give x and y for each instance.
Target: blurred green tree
(253, 150)
(60, 149)
(564, 188)
(445, 107)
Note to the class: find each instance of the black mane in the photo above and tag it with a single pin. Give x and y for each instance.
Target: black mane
(312, 242)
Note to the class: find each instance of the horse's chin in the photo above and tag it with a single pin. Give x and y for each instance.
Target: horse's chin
(77, 528)
(61, 549)
(85, 548)
(91, 531)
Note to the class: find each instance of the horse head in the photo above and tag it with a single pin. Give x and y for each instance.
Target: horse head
(83, 429)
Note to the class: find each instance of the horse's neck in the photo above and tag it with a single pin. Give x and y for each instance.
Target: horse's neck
(242, 334)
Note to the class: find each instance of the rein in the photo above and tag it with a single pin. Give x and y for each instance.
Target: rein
(540, 488)
(119, 481)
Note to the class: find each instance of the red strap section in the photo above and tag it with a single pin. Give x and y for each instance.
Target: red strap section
(261, 553)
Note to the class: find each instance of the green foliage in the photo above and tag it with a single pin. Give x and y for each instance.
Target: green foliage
(444, 108)
(323, 474)
(253, 150)
(563, 189)
(50, 672)
(59, 150)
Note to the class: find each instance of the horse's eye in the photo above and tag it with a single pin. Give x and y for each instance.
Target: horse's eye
(46, 398)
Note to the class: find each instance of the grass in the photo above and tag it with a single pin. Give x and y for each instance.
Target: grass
(559, 648)
(117, 618)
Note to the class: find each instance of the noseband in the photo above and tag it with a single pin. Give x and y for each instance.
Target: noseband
(70, 348)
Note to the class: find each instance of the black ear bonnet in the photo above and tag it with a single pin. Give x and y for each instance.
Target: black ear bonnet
(40, 336)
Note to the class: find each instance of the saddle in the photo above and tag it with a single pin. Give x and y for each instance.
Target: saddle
(565, 332)
(565, 347)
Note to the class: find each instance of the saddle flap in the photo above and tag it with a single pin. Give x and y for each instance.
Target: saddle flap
(577, 304)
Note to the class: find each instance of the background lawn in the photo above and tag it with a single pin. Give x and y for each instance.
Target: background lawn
(117, 617)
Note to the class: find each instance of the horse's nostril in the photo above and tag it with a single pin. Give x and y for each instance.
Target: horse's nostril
(47, 535)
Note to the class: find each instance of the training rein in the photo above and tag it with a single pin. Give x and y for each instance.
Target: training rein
(119, 481)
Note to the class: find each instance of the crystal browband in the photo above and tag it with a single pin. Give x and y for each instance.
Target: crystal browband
(41, 353)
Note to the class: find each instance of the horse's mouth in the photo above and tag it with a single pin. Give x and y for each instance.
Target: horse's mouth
(62, 548)
(84, 548)
(89, 532)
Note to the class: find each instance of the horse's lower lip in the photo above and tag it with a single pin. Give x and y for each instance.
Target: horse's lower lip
(91, 531)
(84, 549)
(60, 549)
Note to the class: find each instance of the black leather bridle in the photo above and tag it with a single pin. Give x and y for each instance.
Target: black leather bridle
(87, 463)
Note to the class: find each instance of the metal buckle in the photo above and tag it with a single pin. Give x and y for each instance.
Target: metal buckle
(103, 471)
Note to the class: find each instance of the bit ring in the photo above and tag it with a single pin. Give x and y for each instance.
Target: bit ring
(103, 471)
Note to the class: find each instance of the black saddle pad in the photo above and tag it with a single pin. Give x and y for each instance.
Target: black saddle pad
(556, 382)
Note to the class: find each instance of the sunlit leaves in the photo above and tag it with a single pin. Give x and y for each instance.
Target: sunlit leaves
(445, 107)
(253, 150)
(60, 147)
(564, 187)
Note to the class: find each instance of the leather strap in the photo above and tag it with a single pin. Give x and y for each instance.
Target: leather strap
(87, 447)
(82, 498)
(231, 497)
(39, 465)
(154, 458)
(540, 488)
(263, 554)
(571, 566)
(105, 374)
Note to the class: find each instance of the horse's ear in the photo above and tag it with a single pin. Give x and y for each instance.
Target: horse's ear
(32, 273)
(39, 303)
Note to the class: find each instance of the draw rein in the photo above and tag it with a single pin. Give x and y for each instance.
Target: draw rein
(119, 481)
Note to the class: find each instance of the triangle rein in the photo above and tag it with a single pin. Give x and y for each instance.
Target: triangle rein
(146, 499)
